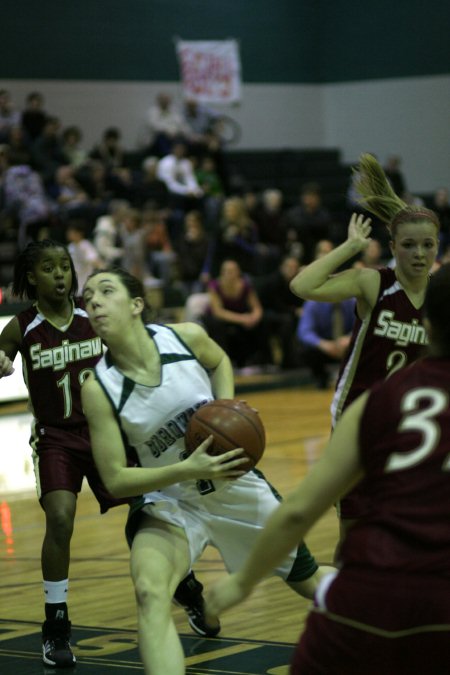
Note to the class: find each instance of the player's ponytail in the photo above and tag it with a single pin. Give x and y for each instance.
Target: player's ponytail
(378, 197)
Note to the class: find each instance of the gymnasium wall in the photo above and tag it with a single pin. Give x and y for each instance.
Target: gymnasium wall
(316, 73)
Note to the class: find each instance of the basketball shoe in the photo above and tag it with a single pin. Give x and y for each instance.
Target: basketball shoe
(56, 651)
(189, 596)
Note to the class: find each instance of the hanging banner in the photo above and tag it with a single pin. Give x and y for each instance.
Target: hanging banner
(210, 70)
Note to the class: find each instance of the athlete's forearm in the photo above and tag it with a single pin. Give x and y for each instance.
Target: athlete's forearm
(134, 481)
(312, 277)
(222, 379)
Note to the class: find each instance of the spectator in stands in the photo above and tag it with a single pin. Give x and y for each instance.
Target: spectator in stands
(440, 203)
(395, 175)
(192, 249)
(177, 172)
(85, 256)
(106, 233)
(309, 221)
(234, 319)
(200, 123)
(109, 151)
(324, 331)
(165, 125)
(26, 201)
(210, 182)
(69, 195)
(236, 238)
(47, 152)
(269, 219)
(133, 237)
(160, 255)
(149, 189)
(372, 256)
(323, 247)
(34, 116)
(71, 139)
(18, 147)
(93, 179)
(281, 309)
(9, 117)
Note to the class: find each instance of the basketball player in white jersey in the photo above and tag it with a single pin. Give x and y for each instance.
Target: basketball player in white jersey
(145, 388)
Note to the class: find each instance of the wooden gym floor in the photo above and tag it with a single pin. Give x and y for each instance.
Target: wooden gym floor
(257, 637)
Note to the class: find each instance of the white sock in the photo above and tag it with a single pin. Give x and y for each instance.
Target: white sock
(56, 592)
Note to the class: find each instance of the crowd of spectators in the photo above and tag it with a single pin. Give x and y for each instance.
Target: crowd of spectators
(169, 216)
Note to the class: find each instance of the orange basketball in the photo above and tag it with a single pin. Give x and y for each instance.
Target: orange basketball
(233, 424)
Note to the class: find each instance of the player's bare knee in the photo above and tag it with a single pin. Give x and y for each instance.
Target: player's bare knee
(150, 593)
(59, 526)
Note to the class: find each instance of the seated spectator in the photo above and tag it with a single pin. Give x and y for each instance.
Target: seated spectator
(110, 153)
(34, 116)
(133, 235)
(160, 256)
(165, 125)
(26, 201)
(93, 179)
(192, 249)
(324, 331)
(372, 256)
(200, 123)
(9, 117)
(269, 219)
(106, 235)
(282, 309)
(395, 176)
(309, 221)
(47, 153)
(149, 189)
(177, 172)
(109, 150)
(323, 247)
(74, 154)
(69, 194)
(441, 205)
(213, 190)
(83, 252)
(19, 148)
(236, 238)
(234, 318)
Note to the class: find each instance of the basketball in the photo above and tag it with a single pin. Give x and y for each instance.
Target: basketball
(233, 424)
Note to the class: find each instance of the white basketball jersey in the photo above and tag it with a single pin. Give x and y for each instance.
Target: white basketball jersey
(153, 420)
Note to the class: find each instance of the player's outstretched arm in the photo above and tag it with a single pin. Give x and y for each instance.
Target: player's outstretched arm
(314, 282)
(335, 473)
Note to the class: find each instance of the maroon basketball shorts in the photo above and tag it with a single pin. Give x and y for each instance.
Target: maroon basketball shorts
(377, 624)
(62, 458)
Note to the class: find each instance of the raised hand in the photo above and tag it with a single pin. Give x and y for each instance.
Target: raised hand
(359, 229)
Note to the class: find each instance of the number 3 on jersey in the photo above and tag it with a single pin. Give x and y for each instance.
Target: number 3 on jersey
(64, 384)
(422, 420)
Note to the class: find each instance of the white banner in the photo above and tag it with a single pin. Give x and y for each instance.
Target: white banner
(210, 70)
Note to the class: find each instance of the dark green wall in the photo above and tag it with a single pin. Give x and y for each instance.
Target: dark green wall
(309, 41)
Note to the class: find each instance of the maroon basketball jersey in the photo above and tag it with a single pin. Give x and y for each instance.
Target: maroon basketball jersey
(389, 338)
(55, 363)
(405, 449)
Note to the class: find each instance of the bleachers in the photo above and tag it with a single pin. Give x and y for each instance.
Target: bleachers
(288, 170)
